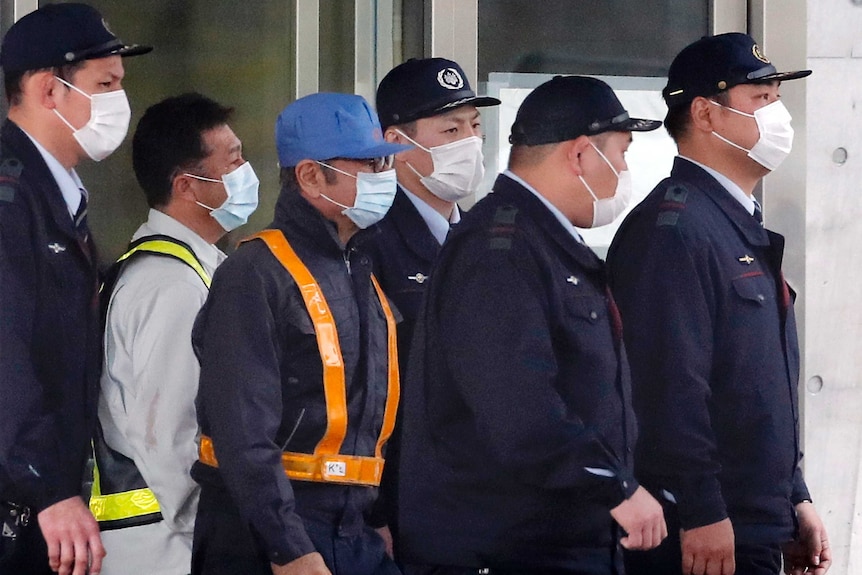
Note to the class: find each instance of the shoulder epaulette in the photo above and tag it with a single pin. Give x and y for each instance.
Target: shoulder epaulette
(672, 204)
(10, 172)
(503, 228)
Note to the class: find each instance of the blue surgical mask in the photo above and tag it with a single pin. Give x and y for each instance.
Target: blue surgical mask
(375, 193)
(241, 186)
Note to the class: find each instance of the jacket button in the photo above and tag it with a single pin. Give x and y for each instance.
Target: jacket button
(594, 315)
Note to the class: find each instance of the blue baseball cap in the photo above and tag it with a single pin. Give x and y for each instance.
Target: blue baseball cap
(717, 63)
(60, 34)
(326, 125)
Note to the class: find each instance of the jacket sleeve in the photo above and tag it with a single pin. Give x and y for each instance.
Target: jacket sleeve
(498, 345)
(800, 489)
(240, 392)
(665, 301)
(29, 458)
(153, 320)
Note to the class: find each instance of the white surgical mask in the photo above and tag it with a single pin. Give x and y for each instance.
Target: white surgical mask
(375, 193)
(108, 124)
(606, 210)
(241, 186)
(458, 168)
(776, 134)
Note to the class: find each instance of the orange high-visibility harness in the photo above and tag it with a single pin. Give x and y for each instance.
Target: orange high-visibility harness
(326, 464)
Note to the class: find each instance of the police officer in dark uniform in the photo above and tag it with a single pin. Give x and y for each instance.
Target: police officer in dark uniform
(299, 370)
(517, 427)
(710, 329)
(63, 74)
(427, 103)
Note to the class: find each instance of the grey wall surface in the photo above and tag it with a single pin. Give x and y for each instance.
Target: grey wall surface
(828, 216)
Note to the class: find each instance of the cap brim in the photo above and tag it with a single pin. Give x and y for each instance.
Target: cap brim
(478, 101)
(637, 125)
(384, 149)
(784, 76)
(133, 50)
(112, 48)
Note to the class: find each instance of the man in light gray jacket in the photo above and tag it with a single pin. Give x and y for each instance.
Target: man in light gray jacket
(198, 186)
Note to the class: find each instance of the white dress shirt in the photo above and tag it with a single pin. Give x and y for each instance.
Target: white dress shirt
(437, 224)
(149, 383)
(564, 221)
(728, 184)
(67, 180)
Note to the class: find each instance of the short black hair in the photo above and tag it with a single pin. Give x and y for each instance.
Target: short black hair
(678, 117)
(12, 80)
(169, 140)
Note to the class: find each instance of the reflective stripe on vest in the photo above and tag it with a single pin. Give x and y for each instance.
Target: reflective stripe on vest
(137, 506)
(326, 464)
(168, 248)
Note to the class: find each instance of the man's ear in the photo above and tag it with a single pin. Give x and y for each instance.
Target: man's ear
(310, 177)
(392, 136)
(701, 111)
(44, 85)
(573, 150)
(181, 188)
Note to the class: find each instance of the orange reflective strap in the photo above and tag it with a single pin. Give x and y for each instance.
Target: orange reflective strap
(334, 388)
(394, 386)
(326, 464)
(344, 469)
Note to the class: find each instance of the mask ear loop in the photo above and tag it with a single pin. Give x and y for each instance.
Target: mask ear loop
(726, 140)
(603, 157)
(418, 145)
(333, 168)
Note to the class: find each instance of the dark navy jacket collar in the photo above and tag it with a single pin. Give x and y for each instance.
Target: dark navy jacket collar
(513, 192)
(34, 163)
(686, 171)
(413, 229)
(293, 214)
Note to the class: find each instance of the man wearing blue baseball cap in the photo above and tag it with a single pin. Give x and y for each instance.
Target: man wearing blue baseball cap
(710, 329)
(299, 368)
(63, 75)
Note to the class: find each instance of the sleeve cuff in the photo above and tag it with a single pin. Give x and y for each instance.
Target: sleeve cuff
(700, 502)
(292, 544)
(621, 487)
(800, 489)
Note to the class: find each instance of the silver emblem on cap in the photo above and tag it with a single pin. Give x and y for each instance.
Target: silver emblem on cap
(450, 79)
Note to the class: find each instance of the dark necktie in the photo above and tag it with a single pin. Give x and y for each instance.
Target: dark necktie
(758, 212)
(81, 219)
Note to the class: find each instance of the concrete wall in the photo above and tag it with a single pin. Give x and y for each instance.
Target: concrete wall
(833, 274)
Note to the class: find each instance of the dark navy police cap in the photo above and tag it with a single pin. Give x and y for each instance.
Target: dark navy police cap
(60, 34)
(568, 107)
(717, 63)
(423, 88)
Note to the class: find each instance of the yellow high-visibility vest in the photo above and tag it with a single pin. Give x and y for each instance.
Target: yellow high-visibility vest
(138, 506)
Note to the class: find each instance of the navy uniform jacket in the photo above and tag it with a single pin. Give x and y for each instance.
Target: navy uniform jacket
(517, 425)
(711, 335)
(261, 383)
(49, 333)
(404, 250)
